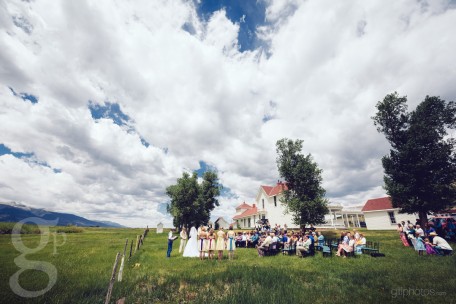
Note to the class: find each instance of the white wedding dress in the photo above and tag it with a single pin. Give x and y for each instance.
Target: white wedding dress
(191, 249)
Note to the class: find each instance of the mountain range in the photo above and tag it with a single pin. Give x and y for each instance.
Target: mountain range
(14, 212)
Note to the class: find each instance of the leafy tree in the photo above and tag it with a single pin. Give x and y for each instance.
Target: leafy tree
(191, 202)
(304, 198)
(420, 170)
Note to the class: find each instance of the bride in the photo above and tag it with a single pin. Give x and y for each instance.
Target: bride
(191, 250)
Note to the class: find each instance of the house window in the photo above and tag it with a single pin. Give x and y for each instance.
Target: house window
(392, 217)
(275, 201)
(243, 222)
(254, 219)
(263, 216)
(249, 222)
(262, 202)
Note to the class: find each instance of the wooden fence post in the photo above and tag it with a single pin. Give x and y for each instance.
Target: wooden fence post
(119, 278)
(137, 243)
(131, 249)
(113, 278)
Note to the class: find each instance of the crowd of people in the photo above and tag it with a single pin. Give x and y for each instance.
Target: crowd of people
(430, 238)
(206, 242)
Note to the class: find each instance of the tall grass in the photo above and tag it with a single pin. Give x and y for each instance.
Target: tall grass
(84, 265)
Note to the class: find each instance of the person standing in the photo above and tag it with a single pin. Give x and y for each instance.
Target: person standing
(183, 239)
(220, 243)
(230, 244)
(211, 243)
(202, 244)
(171, 239)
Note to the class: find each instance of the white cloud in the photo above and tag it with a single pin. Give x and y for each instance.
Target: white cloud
(197, 96)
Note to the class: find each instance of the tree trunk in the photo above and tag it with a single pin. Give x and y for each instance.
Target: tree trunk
(423, 218)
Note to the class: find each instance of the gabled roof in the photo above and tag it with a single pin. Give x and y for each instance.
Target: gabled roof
(376, 204)
(220, 218)
(248, 212)
(277, 189)
(244, 206)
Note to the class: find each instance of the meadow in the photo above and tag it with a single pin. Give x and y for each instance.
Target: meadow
(84, 262)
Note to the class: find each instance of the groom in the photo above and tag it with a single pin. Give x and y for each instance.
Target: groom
(171, 239)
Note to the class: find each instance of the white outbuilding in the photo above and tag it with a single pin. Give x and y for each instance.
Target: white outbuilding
(380, 214)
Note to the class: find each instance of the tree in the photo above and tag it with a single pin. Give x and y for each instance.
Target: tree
(304, 198)
(420, 170)
(191, 202)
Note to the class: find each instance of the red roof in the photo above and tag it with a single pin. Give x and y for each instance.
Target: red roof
(248, 212)
(383, 203)
(243, 206)
(277, 189)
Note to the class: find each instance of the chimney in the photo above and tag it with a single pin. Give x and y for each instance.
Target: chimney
(253, 205)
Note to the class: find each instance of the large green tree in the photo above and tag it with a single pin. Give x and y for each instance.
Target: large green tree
(420, 170)
(305, 197)
(191, 202)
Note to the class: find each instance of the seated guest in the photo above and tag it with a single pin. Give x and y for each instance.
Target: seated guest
(247, 239)
(265, 245)
(253, 240)
(321, 239)
(244, 240)
(344, 248)
(360, 243)
(440, 245)
(428, 229)
(238, 241)
(305, 245)
(419, 231)
(356, 234)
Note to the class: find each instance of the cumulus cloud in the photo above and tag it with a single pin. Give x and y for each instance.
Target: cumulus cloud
(192, 94)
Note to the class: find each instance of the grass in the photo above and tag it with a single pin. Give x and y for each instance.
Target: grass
(84, 264)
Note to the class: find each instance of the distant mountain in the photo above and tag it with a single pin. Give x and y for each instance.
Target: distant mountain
(14, 212)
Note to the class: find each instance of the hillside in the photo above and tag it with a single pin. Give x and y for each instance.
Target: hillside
(14, 212)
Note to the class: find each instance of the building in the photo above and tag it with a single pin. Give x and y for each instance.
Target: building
(221, 223)
(381, 215)
(268, 206)
(160, 227)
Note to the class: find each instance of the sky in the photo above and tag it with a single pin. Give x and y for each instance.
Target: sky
(103, 104)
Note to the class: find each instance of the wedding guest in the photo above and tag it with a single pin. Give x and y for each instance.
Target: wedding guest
(171, 239)
(230, 244)
(360, 243)
(220, 243)
(265, 245)
(344, 248)
(419, 245)
(202, 244)
(419, 231)
(440, 245)
(429, 248)
(211, 243)
(321, 239)
(183, 239)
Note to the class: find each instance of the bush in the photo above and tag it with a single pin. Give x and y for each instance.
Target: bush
(69, 229)
(7, 228)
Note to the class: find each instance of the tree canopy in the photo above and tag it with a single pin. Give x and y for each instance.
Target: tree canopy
(192, 202)
(304, 199)
(420, 170)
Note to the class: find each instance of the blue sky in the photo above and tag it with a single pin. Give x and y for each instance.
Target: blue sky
(105, 104)
(248, 14)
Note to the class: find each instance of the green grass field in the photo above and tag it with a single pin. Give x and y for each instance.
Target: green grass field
(84, 265)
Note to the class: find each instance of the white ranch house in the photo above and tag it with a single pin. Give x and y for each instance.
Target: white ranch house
(268, 206)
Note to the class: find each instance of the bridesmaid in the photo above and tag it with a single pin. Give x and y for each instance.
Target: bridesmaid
(230, 245)
(220, 243)
(211, 243)
(202, 244)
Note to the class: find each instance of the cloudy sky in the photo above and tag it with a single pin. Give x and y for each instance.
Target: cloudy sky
(103, 104)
